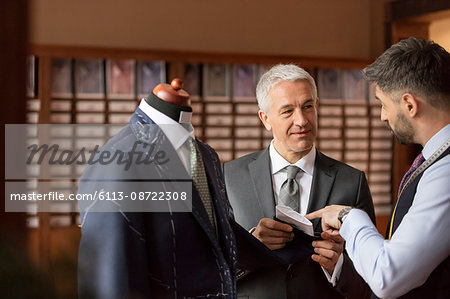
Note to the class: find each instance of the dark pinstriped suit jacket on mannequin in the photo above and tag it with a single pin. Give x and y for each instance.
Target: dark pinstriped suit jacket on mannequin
(157, 255)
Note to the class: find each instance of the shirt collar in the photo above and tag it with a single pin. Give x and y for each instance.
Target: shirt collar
(279, 163)
(175, 132)
(436, 141)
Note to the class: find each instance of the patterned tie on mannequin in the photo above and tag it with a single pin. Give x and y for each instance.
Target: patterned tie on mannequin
(417, 162)
(200, 182)
(289, 192)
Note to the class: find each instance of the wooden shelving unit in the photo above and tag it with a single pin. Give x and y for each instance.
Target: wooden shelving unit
(349, 126)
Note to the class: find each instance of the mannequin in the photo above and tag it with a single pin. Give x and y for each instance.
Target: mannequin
(156, 254)
(171, 100)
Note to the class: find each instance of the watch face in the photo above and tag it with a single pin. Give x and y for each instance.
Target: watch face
(343, 213)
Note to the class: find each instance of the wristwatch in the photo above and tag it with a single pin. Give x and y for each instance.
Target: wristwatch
(343, 213)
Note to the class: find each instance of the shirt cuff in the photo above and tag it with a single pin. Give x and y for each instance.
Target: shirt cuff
(355, 219)
(337, 271)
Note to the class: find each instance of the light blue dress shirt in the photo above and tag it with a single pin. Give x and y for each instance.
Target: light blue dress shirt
(421, 242)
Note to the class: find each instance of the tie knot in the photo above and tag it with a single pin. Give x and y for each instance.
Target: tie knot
(292, 171)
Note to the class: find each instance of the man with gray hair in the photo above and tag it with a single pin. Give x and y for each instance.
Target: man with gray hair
(413, 86)
(292, 173)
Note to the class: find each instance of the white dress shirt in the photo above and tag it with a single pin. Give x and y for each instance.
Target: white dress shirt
(176, 133)
(304, 179)
(421, 241)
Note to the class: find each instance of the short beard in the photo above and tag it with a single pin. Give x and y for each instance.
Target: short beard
(404, 131)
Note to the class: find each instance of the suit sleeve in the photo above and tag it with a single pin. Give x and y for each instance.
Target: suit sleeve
(230, 207)
(350, 283)
(364, 200)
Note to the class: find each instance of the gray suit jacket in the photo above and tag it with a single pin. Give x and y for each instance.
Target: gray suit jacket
(250, 190)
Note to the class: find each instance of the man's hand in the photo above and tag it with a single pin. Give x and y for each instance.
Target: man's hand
(273, 234)
(328, 250)
(329, 216)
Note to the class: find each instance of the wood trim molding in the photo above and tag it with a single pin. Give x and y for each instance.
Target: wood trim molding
(405, 29)
(407, 9)
(194, 57)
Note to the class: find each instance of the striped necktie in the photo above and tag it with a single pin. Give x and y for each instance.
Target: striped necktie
(417, 162)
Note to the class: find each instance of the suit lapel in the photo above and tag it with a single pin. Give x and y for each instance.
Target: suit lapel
(262, 182)
(145, 132)
(218, 196)
(199, 213)
(323, 180)
(148, 132)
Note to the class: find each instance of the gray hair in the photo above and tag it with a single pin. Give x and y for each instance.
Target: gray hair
(416, 66)
(277, 74)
